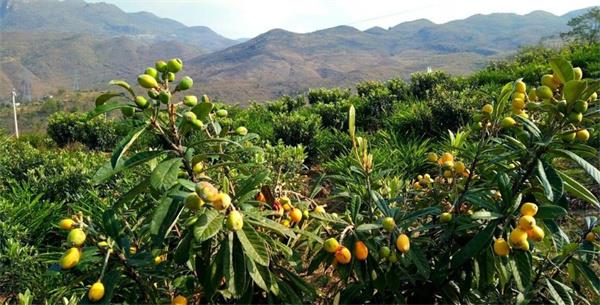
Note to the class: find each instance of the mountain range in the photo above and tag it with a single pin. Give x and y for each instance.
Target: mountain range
(72, 44)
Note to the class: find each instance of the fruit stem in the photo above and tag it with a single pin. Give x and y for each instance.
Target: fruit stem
(105, 264)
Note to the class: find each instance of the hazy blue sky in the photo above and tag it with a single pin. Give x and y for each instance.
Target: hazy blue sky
(248, 18)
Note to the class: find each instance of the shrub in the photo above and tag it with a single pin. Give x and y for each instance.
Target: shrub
(422, 84)
(286, 104)
(328, 96)
(97, 134)
(464, 229)
(297, 128)
(332, 115)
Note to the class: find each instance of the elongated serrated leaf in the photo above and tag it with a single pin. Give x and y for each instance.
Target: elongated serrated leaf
(417, 214)
(368, 227)
(329, 218)
(103, 173)
(591, 277)
(125, 144)
(141, 157)
(254, 246)
(104, 108)
(182, 254)
(123, 84)
(105, 97)
(107, 170)
(418, 258)
(550, 211)
(573, 90)
(165, 174)
(587, 167)
(255, 274)
(576, 189)
(272, 225)
(530, 126)
(562, 68)
(541, 174)
(308, 234)
(554, 294)
(202, 110)
(559, 292)
(474, 246)
(251, 183)
(138, 189)
(592, 86)
(208, 225)
(164, 215)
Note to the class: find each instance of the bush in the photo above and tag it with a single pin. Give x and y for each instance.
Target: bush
(330, 143)
(422, 84)
(286, 104)
(297, 128)
(96, 134)
(257, 119)
(332, 115)
(328, 96)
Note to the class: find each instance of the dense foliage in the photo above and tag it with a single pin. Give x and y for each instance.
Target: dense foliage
(433, 190)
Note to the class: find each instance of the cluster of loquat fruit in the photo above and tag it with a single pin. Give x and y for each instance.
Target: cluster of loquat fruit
(157, 79)
(342, 254)
(71, 258)
(525, 230)
(552, 97)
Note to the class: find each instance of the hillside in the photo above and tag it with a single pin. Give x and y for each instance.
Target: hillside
(50, 44)
(279, 61)
(78, 16)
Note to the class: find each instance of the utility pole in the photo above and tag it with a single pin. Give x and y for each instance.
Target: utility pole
(14, 95)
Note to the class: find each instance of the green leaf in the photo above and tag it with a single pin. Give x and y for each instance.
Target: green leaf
(521, 267)
(559, 292)
(530, 126)
(309, 234)
(125, 144)
(103, 98)
(554, 294)
(202, 110)
(112, 226)
(104, 108)
(182, 254)
(107, 170)
(550, 211)
(123, 84)
(368, 227)
(576, 189)
(474, 246)
(590, 276)
(255, 274)
(562, 68)
(164, 216)
(254, 246)
(208, 225)
(541, 174)
(327, 217)
(417, 256)
(271, 225)
(587, 167)
(573, 89)
(253, 182)
(592, 87)
(138, 189)
(165, 174)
